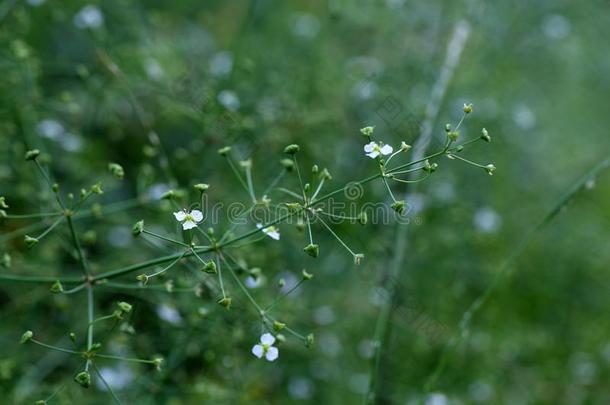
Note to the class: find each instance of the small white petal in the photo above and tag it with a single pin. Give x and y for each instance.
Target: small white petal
(180, 215)
(369, 147)
(259, 226)
(257, 350)
(186, 225)
(272, 353)
(267, 339)
(373, 154)
(386, 149)
(197, 215)
(274, 234)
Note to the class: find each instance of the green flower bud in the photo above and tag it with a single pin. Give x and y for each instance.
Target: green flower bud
(26, 337)
(325, 174)
(288, 164)
(3, 214)
(398, 206)
(29, 241)
(55, 187)
(307, 186)
(485, 135)
(309, 340)
(83, 379)
(83, 193)
(490, 169)
(40, 402)
(362, 218)
(246, 164)
(138, 228)
(97, 188)
(404, 146)
(315, 169)
(278, 326)
(367, 131)
(312, 250)
(201, 187)
(453, 135)
(447, 127)
(143, 278)
(169, 286)
(306, 275)
(224, 151)
(57, 288)
(468, 108)
(124, 307)
(116, 170)
(3, 203)
(281, 283)
(293, 207)
(158, 362)
(6, 261)
(291, 149)
(210, 267)
(32, 154)
(358, 258)
(225, 302)
(72, 336)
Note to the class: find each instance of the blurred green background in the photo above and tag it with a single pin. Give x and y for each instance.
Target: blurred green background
(93, 83)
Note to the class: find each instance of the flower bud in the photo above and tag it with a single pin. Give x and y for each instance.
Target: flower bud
(398, 206)
(281, 283)
(143, 278)
(291, 149)
(158, 362)
(447, 127)
(307, 186)
(485, 135)
(138, 228)
(29, 241)
(40, 402)
(32, 154)
(293, 207)
(490, 169)
(288, 164)
(6, 261)
(309, 340)
(97, 188)
(57, 288)
(325, 174)
(55, 187)
(124, 307)
(467, 108)
(26, 337)
(358, 258)
(312, 250)
(453, 135)
(246, 164)
(225, 302)
(306, 276)
(363, 218)
(404, 146)
(201, 187)
(367, 131)
(72, 336)
(169, 286)
(209, 267)
(116, 170)
(224, 151)
(278, 326)
(3, 203)
(83, 379)
(315, 169)
(83, 193)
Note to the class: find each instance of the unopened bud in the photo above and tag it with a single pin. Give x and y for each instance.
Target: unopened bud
(116, 170)
(97, 188)
(209, 267)
(225, 302)
(453, 135)
(26, 337)
(201, 187)
(315, 169)
(278, 326)
(325, 174)
(29, 241)
(32, 154)
(246, 164)
(124, 307)
(485, 135)
(404, 146)
(367, 131)
(467, 108)
(358, 258)
(447, 127)
(312, 250)
(309, 340)
(57, 288)
(288, 164)
(398, 206)
(291, 149)
(490, 169)
(3, 203)
(138, 228)
(143, 278)
(168, 195)
(306, 275)
(224, 151)
(158, 362)
(83, 379)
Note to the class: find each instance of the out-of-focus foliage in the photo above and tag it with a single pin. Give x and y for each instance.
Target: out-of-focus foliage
(89, 84)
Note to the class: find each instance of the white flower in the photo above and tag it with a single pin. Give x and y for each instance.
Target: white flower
(89, 16)
(265, 348)
(373, 149)
(189, 219)
(271, 231)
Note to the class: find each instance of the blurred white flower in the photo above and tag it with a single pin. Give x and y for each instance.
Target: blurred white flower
(556, 27)
(153, 69)
(169, 314)
(270, 231)
(89, 16)
(486, 220)
(437, 398)
(365, 90)
(117, 378)
(50, 129)
(229, 100)
(221, 64)
(306, 26)
(189, 219)
(324, 315)
(266, 348)
(373, 149)
(524, 117)
(300, 388)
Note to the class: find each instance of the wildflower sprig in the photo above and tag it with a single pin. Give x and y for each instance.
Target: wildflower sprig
(218, 258)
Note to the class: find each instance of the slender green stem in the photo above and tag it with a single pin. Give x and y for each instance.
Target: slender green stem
(287, 293)
(56, 348)
(467, 161)
(250, 184)
(290, 193)
(32, 216)
(275, 182)
(163, 270)
(220, 282)
(102, 318)
(165, 238)
(315, 194)
(385, 181)
(79, 250)
(75, 289)
(336, 216)
(129, 359)
(108, 387)
(335, 235)
(49, 229)
(411, 181)
(237, 174)
(240, 284)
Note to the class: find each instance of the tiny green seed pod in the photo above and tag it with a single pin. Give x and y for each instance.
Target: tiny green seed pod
(138, 228)
(224, 151)
(32, 154)
(291, 149)
(367, 131)
(312, 250)
(83, 379)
